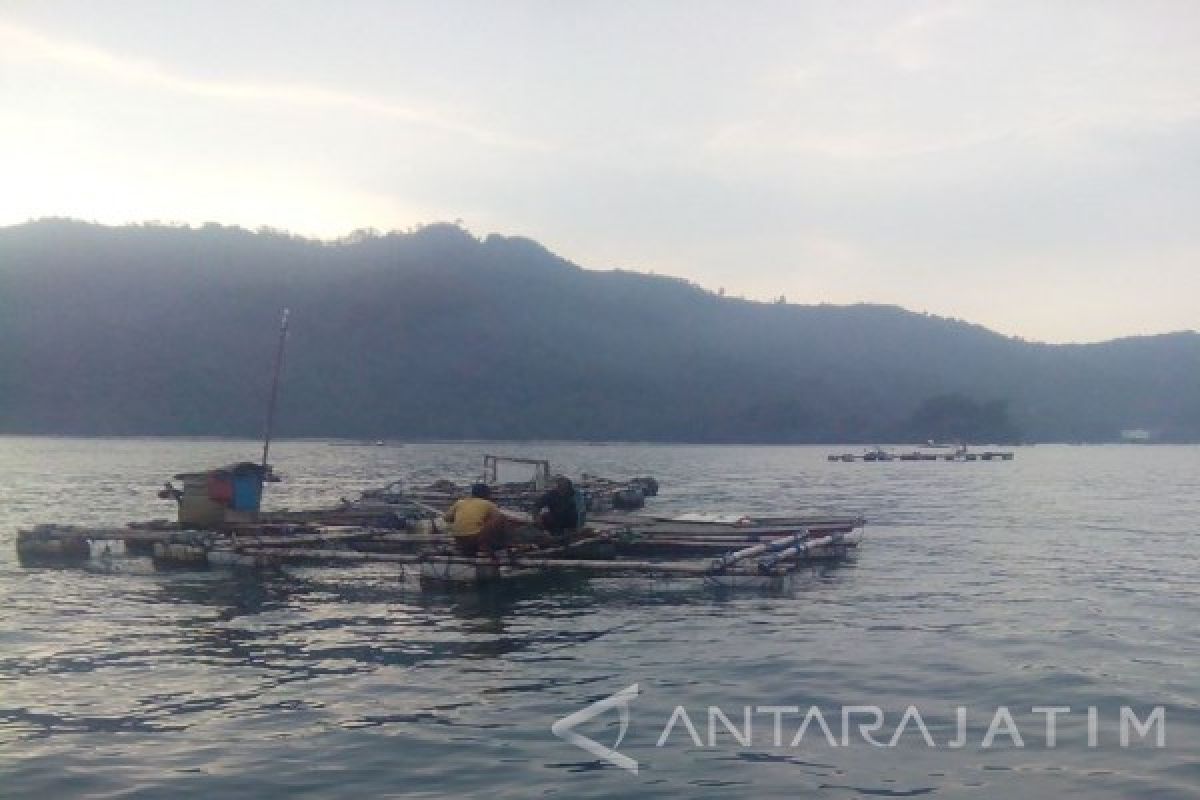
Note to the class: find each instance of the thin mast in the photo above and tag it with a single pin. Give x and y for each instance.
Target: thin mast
(283, 327)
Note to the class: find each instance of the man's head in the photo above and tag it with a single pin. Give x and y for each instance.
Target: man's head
(481, 490)
(563, 484)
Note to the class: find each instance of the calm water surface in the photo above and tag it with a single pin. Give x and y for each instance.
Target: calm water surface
(1068, 577)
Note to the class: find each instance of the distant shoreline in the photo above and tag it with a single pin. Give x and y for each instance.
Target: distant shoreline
(366, 443)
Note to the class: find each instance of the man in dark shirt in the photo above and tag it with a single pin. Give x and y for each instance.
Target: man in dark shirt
(556, 511)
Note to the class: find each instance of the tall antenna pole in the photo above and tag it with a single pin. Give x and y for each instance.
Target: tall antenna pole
(283, 328)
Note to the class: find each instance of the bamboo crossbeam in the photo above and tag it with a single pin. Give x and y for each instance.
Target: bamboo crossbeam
(721, 545)
(269, 540)
(669, 567)
(722, 535)
(575, 544)
(753, 551)
(131, 535)
(300, 553)
(648, 521)
(115, 534)
(797, 550)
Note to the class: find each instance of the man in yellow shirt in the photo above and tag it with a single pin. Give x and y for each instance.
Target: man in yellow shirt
(477, 524)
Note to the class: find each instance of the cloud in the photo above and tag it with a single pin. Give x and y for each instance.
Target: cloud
(17, 43)
(944, 78)
(908, 44)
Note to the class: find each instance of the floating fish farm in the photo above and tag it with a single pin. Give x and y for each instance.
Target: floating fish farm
(220, 525)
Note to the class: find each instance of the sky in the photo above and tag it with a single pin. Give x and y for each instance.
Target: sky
(1033, 167)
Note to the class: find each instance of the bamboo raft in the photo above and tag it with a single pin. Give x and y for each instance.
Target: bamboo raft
(402, 529)
(755, 555)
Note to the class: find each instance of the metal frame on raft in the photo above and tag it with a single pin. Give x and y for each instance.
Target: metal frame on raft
(541, 471)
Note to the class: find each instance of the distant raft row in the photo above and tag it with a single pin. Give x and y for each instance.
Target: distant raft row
(960, 454)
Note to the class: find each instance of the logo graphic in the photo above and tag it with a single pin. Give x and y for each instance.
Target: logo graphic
(564, 728)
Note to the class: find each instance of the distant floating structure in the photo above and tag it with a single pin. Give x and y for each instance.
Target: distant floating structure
(960, 453)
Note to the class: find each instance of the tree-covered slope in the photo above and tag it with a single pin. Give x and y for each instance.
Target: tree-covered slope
(435, 333)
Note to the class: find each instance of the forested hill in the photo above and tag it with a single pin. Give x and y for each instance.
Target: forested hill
(170, 330)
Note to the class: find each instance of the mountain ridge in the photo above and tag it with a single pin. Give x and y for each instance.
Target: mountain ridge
(436, 333)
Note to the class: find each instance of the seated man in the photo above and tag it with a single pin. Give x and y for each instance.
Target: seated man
(556, 511)
(477, 524)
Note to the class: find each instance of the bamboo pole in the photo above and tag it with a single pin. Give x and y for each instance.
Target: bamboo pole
(724, 546)
(670, 567)
(797, 550)
(573, 545)
(270, 423)
(648, 521)
(651, 534)
(115, 534)
(749, 552)
(267, 540)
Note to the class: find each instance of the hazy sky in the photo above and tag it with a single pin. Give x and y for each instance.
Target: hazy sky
(1031, 166)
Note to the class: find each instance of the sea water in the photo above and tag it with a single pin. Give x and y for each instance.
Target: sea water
(1068, 578)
